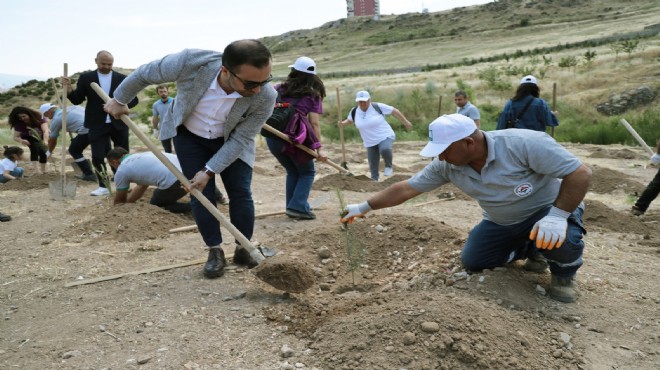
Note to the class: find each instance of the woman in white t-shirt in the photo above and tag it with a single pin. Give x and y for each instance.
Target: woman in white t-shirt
(376, 133)
(9, 169)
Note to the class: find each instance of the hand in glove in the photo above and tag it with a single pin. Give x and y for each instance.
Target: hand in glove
(655, 159)
(155, 133)
(354, 210)
(48, 154)
(550, 231)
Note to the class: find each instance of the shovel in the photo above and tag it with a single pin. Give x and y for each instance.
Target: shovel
(341, 131)
(332, 164)
(298, 276)
(60, 189)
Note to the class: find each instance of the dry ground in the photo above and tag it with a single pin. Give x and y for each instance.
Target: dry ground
(407, 305)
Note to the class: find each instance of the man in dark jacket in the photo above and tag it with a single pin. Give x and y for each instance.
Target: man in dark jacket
(103, 128)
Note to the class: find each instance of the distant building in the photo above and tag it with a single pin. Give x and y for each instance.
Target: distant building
(362, 8)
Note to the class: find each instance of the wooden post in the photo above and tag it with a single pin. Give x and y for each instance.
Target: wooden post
(439, 105)
(554, 106)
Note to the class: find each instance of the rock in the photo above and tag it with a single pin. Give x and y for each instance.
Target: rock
(325, 286)
(539, 290)
(557, 354)
(409, 338)
(287, 366)
(324, 253)
(143, 360)
(70, 354)
(101, 328)
(299, 365)
(430, 327)
(286, 351)
(379, 228)
(564, 339)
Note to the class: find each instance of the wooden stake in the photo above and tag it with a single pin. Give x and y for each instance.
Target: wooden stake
(146, 271)
(554, 106)
(439, 105)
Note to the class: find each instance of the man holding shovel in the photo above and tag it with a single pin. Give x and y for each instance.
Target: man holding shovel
(515, 176)
(223, 100)
(75, 120)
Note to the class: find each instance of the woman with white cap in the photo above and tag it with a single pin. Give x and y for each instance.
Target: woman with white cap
(526, 109)
(305, 91)
(377, 135)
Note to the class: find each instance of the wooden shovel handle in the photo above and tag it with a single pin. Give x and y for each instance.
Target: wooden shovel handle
(245, 243)
(277, 133)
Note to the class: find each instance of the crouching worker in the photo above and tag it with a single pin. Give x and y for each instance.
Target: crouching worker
(146, 169)
(515, 176)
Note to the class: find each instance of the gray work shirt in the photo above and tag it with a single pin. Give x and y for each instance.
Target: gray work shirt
(145, 169)
(159, 108)
(469, 110)
(75, 122)
(520, 177)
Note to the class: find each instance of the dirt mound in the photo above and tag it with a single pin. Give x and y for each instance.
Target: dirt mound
(286, 274)
(615, 154)
(408, 304)
(605, 180)
(599, 215)
(33, 182)
(124, 223)
(355, 183)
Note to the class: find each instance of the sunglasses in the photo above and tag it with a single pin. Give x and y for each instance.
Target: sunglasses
(249, 85)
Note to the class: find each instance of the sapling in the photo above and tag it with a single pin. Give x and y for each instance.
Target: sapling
(355, 249)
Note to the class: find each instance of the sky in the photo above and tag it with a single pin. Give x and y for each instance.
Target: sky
(38, 36)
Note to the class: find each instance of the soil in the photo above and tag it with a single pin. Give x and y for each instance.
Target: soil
(387, 292)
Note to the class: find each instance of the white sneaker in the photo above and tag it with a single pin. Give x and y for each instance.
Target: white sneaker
(388, 171)
(100, 191)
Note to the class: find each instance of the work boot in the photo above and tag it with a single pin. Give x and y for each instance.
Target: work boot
(535, 262)
(215, 264)
(242, 258)
(635, 211)
(563, 289)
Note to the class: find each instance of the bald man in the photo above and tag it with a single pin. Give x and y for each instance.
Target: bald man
(103, 128)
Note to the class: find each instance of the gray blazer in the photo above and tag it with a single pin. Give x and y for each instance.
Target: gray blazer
(193, 71)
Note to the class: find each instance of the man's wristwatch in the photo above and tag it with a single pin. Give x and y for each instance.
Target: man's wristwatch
(208, 172)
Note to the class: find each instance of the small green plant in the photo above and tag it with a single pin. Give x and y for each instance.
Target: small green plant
(568, 62)
(355, 249)
(40, 143)
(589, 57)
(105, 179)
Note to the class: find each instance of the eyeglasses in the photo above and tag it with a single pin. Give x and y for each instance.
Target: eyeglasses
(249, 85)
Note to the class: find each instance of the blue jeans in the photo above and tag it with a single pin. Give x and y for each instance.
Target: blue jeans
(193, 153)
(384, 148)
(299, 177)
(16, 172)
(490, 245)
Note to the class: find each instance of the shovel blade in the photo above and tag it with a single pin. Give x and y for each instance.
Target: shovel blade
(60, 189)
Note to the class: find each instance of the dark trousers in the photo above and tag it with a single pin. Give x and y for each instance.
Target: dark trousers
(78, 145)
(649, 194)
(100, 139)
(193, 153)
(167, 198)
(490, 245)
(167, 145)
(36, 151)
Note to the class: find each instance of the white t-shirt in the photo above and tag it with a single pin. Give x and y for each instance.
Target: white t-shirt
(372, 125)
(7, 165)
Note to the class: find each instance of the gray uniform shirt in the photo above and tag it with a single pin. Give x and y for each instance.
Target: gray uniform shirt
(469, 110)
(145, 169)
(159, 109)
(75, 122)
(520, 177)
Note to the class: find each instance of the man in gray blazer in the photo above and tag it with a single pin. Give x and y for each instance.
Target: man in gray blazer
(222, 102)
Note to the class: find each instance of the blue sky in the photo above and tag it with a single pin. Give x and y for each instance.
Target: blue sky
(38, 36)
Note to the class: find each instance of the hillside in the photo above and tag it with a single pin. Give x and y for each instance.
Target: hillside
(592, 49)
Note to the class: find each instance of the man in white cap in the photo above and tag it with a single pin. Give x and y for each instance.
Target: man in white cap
(75, 123)
(514, 175)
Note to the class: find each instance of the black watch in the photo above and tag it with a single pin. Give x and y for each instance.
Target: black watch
(209, 172)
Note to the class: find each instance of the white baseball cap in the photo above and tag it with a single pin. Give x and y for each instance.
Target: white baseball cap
(362, 96)
(528, 80)
(446, 130)
(305, 65)
(46, 107)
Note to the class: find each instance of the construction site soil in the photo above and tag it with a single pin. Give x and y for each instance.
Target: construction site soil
(88, 285)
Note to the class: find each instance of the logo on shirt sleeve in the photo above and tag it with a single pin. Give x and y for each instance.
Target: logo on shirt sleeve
(523, 189)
